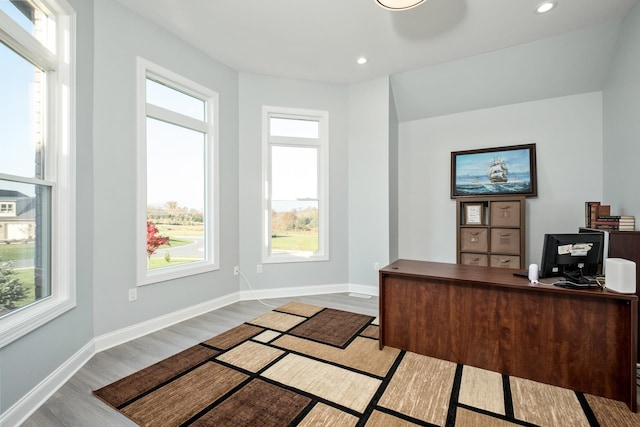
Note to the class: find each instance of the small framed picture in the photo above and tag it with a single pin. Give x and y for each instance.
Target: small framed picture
(473, 213)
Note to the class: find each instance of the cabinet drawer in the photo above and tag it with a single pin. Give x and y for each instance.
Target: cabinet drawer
(505, 240)
(474, 240)
(474, 259)
(505, 214)
(505, 261)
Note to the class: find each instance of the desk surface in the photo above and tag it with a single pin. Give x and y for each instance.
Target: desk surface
(489, 276)
(486, 317)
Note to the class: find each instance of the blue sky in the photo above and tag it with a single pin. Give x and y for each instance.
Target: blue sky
(477, 164)
(16, 77)
(175, 169)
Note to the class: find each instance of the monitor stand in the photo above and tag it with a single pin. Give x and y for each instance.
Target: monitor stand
(579, 278)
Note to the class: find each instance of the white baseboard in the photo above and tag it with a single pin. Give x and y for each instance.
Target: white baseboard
(365, 289)
(112, 339)
(251, 294)
(29, 403)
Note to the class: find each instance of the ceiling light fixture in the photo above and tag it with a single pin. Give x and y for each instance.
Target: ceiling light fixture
(399, 4)
(546, 6)
(362, 60)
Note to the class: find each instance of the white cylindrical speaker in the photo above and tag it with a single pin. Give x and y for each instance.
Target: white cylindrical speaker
(533, 273)
(621, 275)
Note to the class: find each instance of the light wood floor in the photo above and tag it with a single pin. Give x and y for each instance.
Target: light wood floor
(74, 404)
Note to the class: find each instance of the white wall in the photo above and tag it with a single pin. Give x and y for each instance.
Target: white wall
(567, 64)
(621, 123)
(567, 132)
(121, 36)
(368, 183)
(256, 91)
(393, 180)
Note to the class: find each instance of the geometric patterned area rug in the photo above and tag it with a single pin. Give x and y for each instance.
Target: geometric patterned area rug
(306, 365)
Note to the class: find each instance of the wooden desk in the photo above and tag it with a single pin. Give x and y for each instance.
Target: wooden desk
(583, 340)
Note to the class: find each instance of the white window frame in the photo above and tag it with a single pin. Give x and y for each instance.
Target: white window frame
(8, 209)
(209, 127)
(58, 61)
(322, 143)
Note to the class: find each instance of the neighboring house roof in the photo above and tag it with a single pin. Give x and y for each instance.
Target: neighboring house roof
(12, 194)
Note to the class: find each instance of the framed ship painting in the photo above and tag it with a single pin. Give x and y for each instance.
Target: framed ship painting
(498, 171)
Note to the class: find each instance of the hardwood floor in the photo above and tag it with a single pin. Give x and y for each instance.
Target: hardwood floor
(74, 404)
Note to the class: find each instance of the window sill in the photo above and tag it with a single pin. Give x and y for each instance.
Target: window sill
(21, 322)
(297, 257)
(150, 277)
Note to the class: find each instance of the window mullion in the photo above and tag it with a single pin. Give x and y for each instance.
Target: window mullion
(172, 117)
(293, 141)
(18, 39)
(26, 180)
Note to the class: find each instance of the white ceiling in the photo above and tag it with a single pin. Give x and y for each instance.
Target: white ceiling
(321, 39)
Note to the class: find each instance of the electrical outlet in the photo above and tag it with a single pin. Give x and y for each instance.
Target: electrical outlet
(236, 270)
(133, 294)
(376, 266)
(259, 268)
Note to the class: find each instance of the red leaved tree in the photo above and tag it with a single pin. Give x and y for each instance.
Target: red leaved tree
(154, 239)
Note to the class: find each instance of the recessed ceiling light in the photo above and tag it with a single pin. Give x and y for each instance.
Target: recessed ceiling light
(546, 6)
(399, 4)
(362, 60)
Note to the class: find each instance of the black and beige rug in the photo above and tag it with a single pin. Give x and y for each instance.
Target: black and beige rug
(312, 366)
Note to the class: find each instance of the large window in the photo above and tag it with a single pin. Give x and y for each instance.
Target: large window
(177, 158)
(295, 211)
(37, 211)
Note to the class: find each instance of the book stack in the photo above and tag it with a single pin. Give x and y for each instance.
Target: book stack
(597, 215)
(591, 213)
(616, 222)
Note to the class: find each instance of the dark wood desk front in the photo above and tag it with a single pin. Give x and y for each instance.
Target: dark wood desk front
(486, 317)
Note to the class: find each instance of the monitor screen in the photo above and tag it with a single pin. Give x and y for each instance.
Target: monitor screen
(605, 247)
(571, 254)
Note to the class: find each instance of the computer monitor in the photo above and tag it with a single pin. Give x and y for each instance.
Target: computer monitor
(605, 248)
(571, 255)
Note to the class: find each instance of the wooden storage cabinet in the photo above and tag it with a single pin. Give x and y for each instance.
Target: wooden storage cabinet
(491, 231)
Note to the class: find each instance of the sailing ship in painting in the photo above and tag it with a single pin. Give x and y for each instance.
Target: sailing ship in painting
(487, 173)
(497, 172)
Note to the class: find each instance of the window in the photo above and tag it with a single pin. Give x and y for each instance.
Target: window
(295, 172)
(7, 209)
(37, 234)
(177, 160)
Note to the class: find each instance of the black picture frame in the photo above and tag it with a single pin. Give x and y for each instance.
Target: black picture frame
(497, 171)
